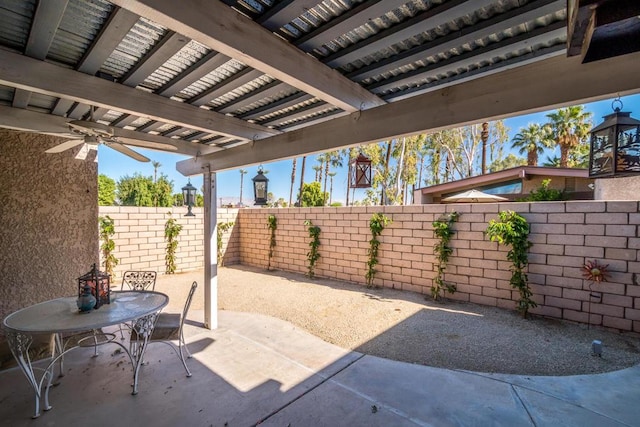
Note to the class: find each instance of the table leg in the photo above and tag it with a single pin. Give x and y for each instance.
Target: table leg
(19, 344)
(142, 329)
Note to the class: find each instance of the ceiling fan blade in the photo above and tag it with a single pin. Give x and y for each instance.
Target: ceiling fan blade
(147, 144)
(126, 151)
(65, 146)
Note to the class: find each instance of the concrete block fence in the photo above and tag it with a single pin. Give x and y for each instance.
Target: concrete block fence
(564, 234)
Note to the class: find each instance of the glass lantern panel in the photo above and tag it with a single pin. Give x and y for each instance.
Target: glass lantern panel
(628, 149)
(602, 156)
(261, 192)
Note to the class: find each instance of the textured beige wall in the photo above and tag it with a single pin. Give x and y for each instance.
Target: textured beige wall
(627, 188)
(48, 212)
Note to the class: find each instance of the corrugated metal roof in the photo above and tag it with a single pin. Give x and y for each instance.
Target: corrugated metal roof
(187, 56)
(207, 82)
(140, 39)
(81, 22)
(15, 22)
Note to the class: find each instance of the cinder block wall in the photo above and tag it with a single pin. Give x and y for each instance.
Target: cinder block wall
(140, 242)
(565, 236)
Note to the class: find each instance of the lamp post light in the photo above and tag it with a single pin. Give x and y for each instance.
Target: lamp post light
(615, 145)
(260, 188)
(189, 197)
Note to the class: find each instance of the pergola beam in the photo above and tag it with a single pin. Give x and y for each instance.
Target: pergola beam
(221, 28)
(39, 76)
(539, 86)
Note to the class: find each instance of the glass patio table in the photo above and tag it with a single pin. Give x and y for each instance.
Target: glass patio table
(61, 316)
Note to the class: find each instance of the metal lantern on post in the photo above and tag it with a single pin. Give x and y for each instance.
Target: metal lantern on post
(360, 172)
(98, 283)
(189, 197)
(615, 145)
(260, 188)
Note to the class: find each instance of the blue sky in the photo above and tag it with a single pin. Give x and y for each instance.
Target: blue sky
(116, 165)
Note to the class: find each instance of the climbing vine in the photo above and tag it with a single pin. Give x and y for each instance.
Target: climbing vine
(171, 232)
(223, 227)
(272, 225)
(377, 224)
(313, 255)
(443, 231)
(107, 229)
(512, 229)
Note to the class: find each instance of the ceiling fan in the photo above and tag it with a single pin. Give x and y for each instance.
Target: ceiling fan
(93, 133)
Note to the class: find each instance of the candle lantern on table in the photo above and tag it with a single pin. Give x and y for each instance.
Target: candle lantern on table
(99, 283)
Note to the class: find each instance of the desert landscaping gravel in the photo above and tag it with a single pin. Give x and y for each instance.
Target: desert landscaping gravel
(404, 326)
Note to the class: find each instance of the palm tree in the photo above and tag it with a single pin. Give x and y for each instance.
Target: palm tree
(304, 161)
(569, 127)
(532, 140)
(331, 159)
(293, 178)
(156, 165)
(331, 175)
(318, 169)
(243, 172)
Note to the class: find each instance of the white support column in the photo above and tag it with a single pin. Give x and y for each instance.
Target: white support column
(210, 252)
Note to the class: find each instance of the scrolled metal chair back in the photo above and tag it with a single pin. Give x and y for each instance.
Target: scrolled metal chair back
(139, 280)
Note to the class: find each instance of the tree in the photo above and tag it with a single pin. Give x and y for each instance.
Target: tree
(318, 170)
(312, 195)
(243, 172)
(331, 159)
(569, 127)
(106, 191)
(293, 179)
(304, 161)
(331, 175)
(156, 165)
(532, 140)
(511, 161)
(138, 190)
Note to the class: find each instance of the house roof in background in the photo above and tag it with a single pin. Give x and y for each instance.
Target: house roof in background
(520, 172)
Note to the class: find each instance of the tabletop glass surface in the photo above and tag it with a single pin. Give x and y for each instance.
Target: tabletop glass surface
(62, 315)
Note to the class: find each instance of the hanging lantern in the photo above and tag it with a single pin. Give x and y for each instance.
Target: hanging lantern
(260, 188)
(98, 284)
(615, 145)
(360, 172)
(189, 197)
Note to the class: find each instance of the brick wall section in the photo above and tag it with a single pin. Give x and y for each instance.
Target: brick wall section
(140, 242)
(565, 236)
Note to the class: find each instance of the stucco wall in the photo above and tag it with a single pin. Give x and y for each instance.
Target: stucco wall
(626, 188)
(49, 214)
(565, 235)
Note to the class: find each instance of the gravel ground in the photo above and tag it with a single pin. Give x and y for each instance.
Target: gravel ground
(405, 326)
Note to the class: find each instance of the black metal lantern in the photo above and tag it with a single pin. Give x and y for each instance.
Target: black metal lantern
(99, 284)
(189, 197)
(615, 145)
(360, 172)
(260, 188)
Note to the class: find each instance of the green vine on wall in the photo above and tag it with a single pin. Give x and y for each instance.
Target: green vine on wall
(223, 227)
(512, 229)
(377, 224)
(171, 232)
(107, 229)
(313, 255)
(272, 225)
(443, 231)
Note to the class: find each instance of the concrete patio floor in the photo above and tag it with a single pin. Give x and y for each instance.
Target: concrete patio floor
(261, 370)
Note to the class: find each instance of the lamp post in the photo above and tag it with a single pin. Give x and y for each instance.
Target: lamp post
(260, 188)
(189, 197)
(615, 145)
